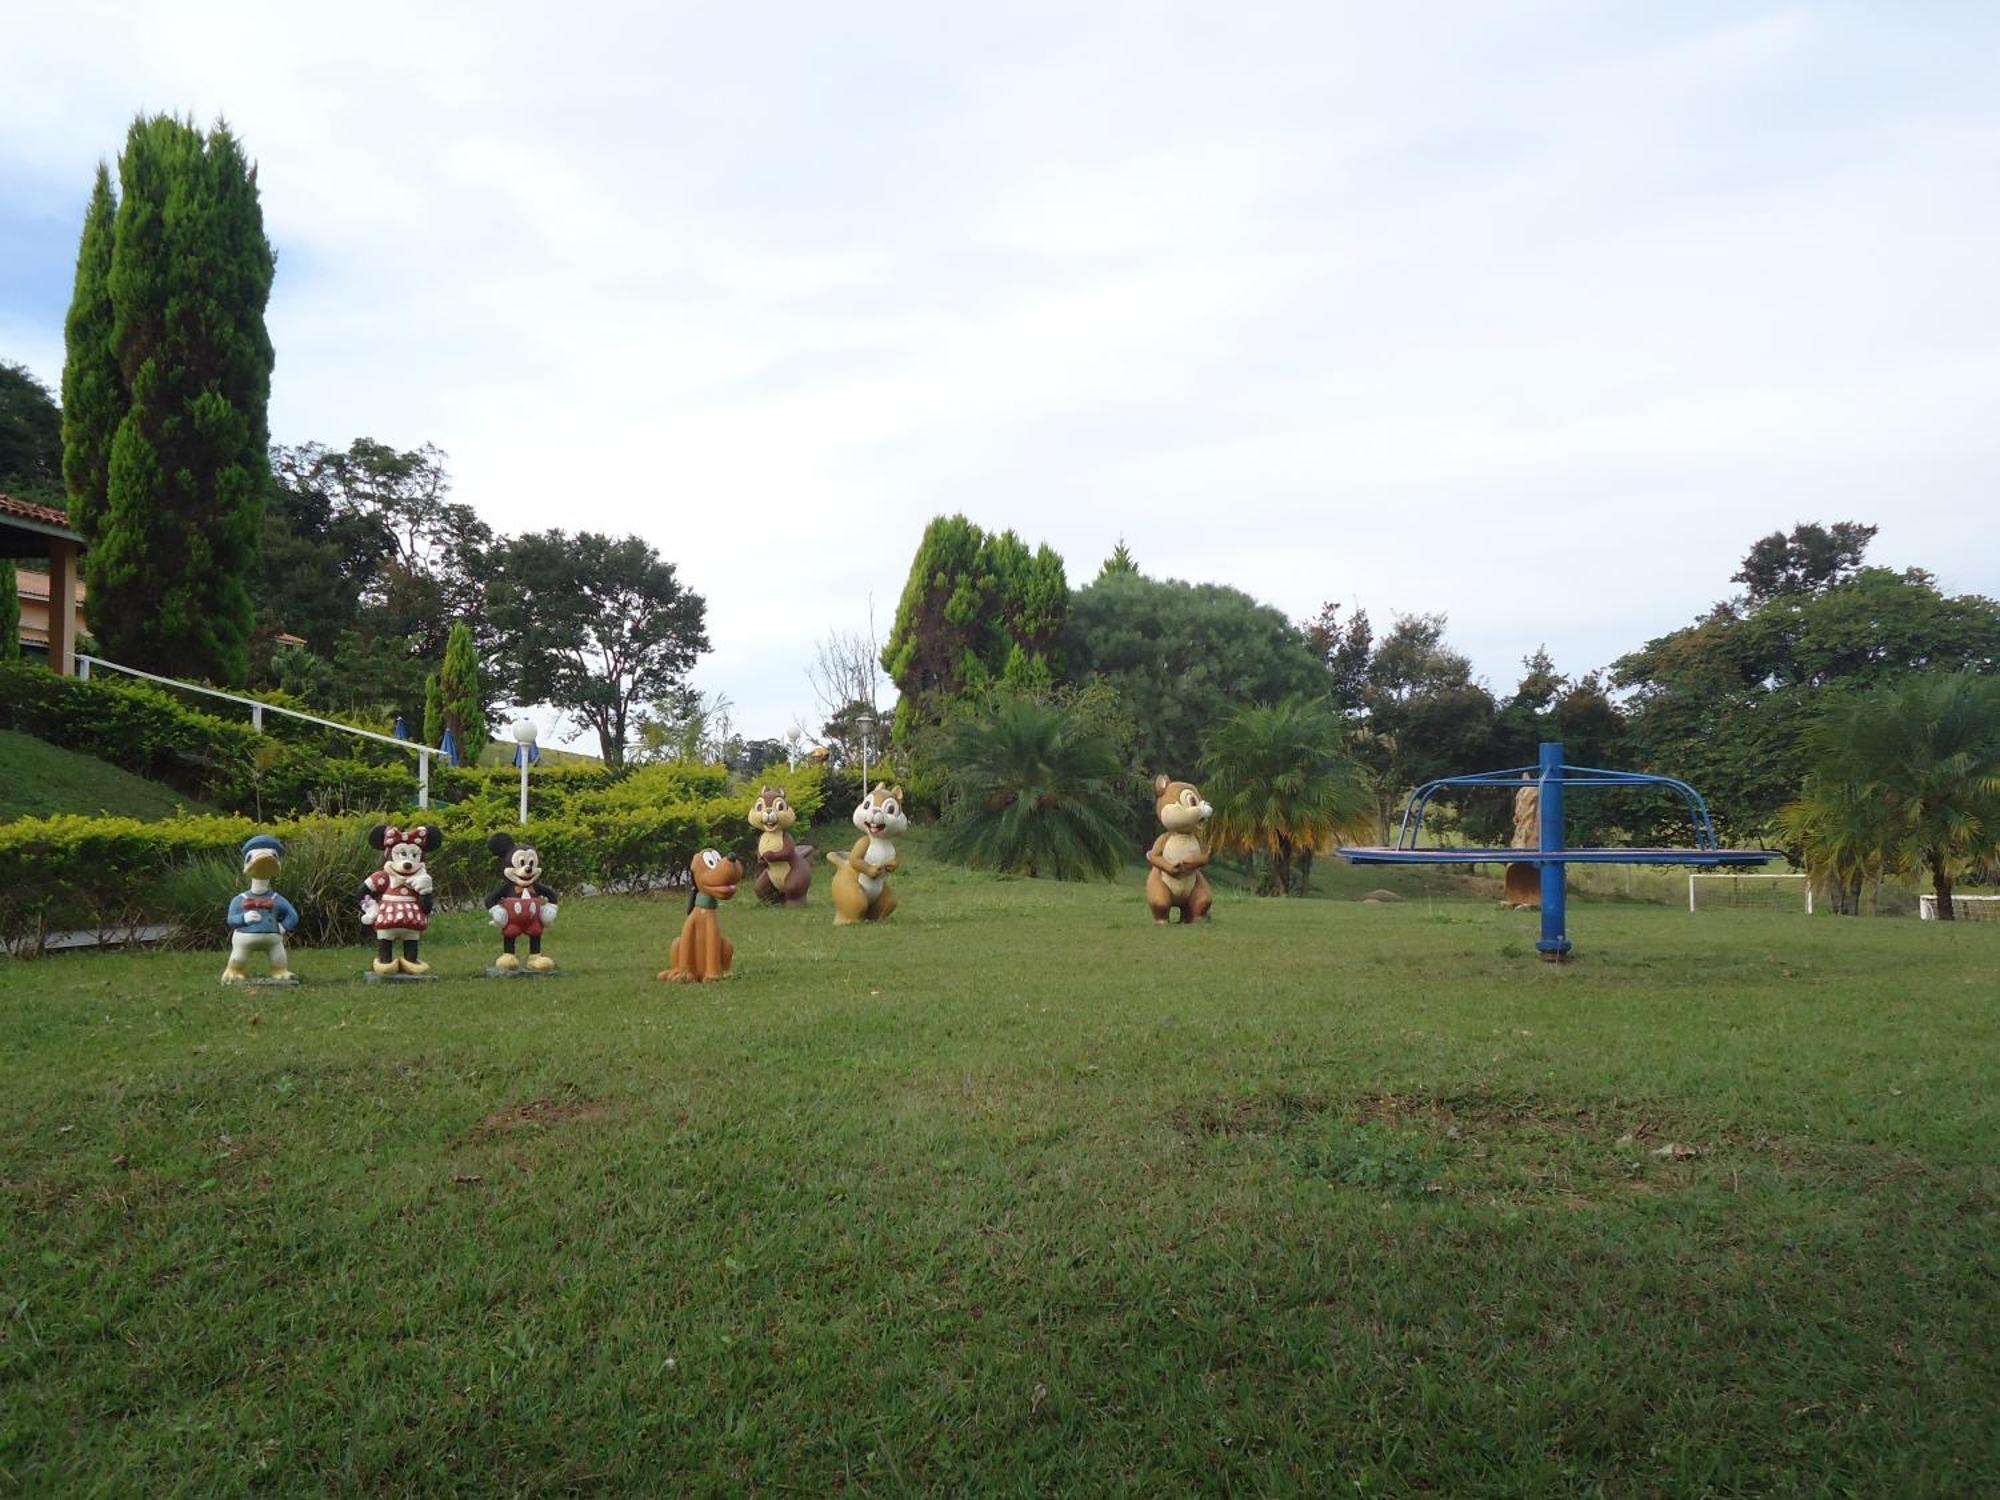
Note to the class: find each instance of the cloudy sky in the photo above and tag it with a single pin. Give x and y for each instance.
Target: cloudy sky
(1535, 314)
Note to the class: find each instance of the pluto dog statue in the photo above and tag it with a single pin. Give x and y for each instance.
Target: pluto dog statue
(521, 906)
(784, 868)
(861, 878)
(260, 917)
(1175, 882)
(396, 899)
(701, 951)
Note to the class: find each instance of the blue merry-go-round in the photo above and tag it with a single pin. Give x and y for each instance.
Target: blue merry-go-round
(1551, 778)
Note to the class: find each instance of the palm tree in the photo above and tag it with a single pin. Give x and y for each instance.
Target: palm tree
(1844, 838)
(1283, 785)
(1926, 750)
(1033, 791)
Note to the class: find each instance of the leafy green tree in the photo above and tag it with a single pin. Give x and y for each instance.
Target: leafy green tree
(94, 397)
(1423, 714)
(972, 598)
(1727, 701)
(1180, 656)
(1926, 750)
(1808, 561)
(1033, 791)
(1284, 787)
(170, 554)
(461, 703)
(594, 624)
(1346, 647)
(30, 438)
(368, 558)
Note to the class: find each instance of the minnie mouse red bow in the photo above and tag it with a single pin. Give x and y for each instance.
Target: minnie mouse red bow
(393, 836)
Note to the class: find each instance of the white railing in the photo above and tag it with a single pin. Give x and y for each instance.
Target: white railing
(258, 709)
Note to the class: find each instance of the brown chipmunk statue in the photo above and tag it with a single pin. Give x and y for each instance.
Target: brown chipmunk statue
(1175, 883)
(861, 878)
(701, 951)
(784, 868)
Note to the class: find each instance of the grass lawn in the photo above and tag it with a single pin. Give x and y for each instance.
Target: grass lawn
(38, 779)
(1018, 1194)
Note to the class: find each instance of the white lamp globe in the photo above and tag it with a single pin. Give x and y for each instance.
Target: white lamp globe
(524, 731)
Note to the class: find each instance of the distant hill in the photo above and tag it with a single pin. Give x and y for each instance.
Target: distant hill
(41, 779)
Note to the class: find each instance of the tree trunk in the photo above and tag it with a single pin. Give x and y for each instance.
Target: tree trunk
(1941, 884)
(1281, 868)
(1305, 871)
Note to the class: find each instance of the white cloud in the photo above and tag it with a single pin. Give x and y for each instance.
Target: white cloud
(1536, 319)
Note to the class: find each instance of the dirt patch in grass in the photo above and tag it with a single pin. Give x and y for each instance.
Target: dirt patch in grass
(537, 1114)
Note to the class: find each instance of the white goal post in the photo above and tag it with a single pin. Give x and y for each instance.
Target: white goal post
(1732, 888)
(1964, 908)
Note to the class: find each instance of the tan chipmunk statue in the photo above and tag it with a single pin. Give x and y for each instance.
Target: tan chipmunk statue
(861, 876)
(1175, 883)
(784, 868)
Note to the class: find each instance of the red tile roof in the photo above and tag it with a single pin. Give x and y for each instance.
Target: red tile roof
(27, 510)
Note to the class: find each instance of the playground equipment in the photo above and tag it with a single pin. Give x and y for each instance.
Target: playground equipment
(1551, 780)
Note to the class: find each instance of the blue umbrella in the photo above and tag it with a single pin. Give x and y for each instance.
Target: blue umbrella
(450, 748)
(402, 730)
(534, 753)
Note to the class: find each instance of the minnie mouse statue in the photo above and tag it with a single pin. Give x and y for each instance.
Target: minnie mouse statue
(396, 899)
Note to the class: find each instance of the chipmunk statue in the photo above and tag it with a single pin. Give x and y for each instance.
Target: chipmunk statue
(784, 868)
(701, 951)
(1175, 883)
(861, 876)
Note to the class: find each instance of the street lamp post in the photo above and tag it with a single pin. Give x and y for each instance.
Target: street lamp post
(524, 737)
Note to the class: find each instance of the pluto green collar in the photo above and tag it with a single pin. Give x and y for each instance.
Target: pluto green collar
(705, 901)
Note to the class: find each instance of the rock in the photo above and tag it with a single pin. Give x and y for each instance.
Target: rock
(1381, 896)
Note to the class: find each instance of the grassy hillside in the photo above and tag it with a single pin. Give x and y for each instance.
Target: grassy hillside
(42, 779)
(1018, 1193)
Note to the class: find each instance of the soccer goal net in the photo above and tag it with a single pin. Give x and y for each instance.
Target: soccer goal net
(1963, 908)
(1717, 891)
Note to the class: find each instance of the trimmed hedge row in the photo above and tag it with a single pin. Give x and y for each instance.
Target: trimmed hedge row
(110, 874)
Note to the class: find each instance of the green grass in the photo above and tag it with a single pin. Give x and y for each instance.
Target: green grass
(41, 779)
(1018, 1194)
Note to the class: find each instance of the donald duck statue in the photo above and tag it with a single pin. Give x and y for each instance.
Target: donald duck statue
(259, 918)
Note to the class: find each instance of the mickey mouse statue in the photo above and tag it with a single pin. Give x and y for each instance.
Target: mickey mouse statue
(260, 917)
(396, 899)
(521, 907)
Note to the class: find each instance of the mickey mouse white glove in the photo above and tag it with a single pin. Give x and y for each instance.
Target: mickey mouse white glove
(498, 914)
(548, 913)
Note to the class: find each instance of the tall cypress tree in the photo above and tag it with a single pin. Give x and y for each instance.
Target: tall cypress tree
(460, 702)
(10, 612)
(189, 278)
(433, 711)
(93, 391)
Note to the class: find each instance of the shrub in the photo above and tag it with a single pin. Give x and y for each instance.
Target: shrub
(325, 864)
(109, 874)
(1035, 791)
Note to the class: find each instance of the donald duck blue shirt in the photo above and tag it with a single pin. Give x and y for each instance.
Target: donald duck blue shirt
(250, 912)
